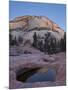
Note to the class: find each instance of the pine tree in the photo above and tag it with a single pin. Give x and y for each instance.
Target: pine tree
(53, 45)
(20, 39)
(49, 47)
(14, 41)
(35, 40)
(47, 43)
(40, 45)
(10, 39)
(63, 43)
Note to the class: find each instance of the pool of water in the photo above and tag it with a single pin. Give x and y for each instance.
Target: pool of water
(37, 75)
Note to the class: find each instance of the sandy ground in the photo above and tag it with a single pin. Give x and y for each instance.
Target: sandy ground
(34, 58)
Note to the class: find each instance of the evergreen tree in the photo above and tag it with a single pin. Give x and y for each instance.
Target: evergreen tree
(40, 45)
(54, 45)
(47, 43)
(49, 48)
(10, 39)
(20, 39)
(63, 43)
(35, 40)
(15, 41)
(58, 46)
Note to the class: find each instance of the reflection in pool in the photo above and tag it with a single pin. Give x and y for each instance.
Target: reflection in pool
(37, 75)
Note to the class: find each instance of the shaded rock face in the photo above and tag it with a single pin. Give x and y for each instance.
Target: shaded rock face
(26, 26)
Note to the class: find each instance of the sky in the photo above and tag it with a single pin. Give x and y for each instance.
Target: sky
(55, 12)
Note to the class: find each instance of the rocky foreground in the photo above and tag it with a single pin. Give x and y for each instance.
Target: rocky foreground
(23, 57)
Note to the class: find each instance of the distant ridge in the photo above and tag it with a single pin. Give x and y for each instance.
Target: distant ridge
(30, 22)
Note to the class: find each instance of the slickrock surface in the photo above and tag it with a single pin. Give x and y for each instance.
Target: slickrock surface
(35, 59)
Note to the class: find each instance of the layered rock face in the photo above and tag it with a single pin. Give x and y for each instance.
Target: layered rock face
(31, 22)
(26, 26)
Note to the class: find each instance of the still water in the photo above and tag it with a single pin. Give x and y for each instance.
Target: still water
(34, 75)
